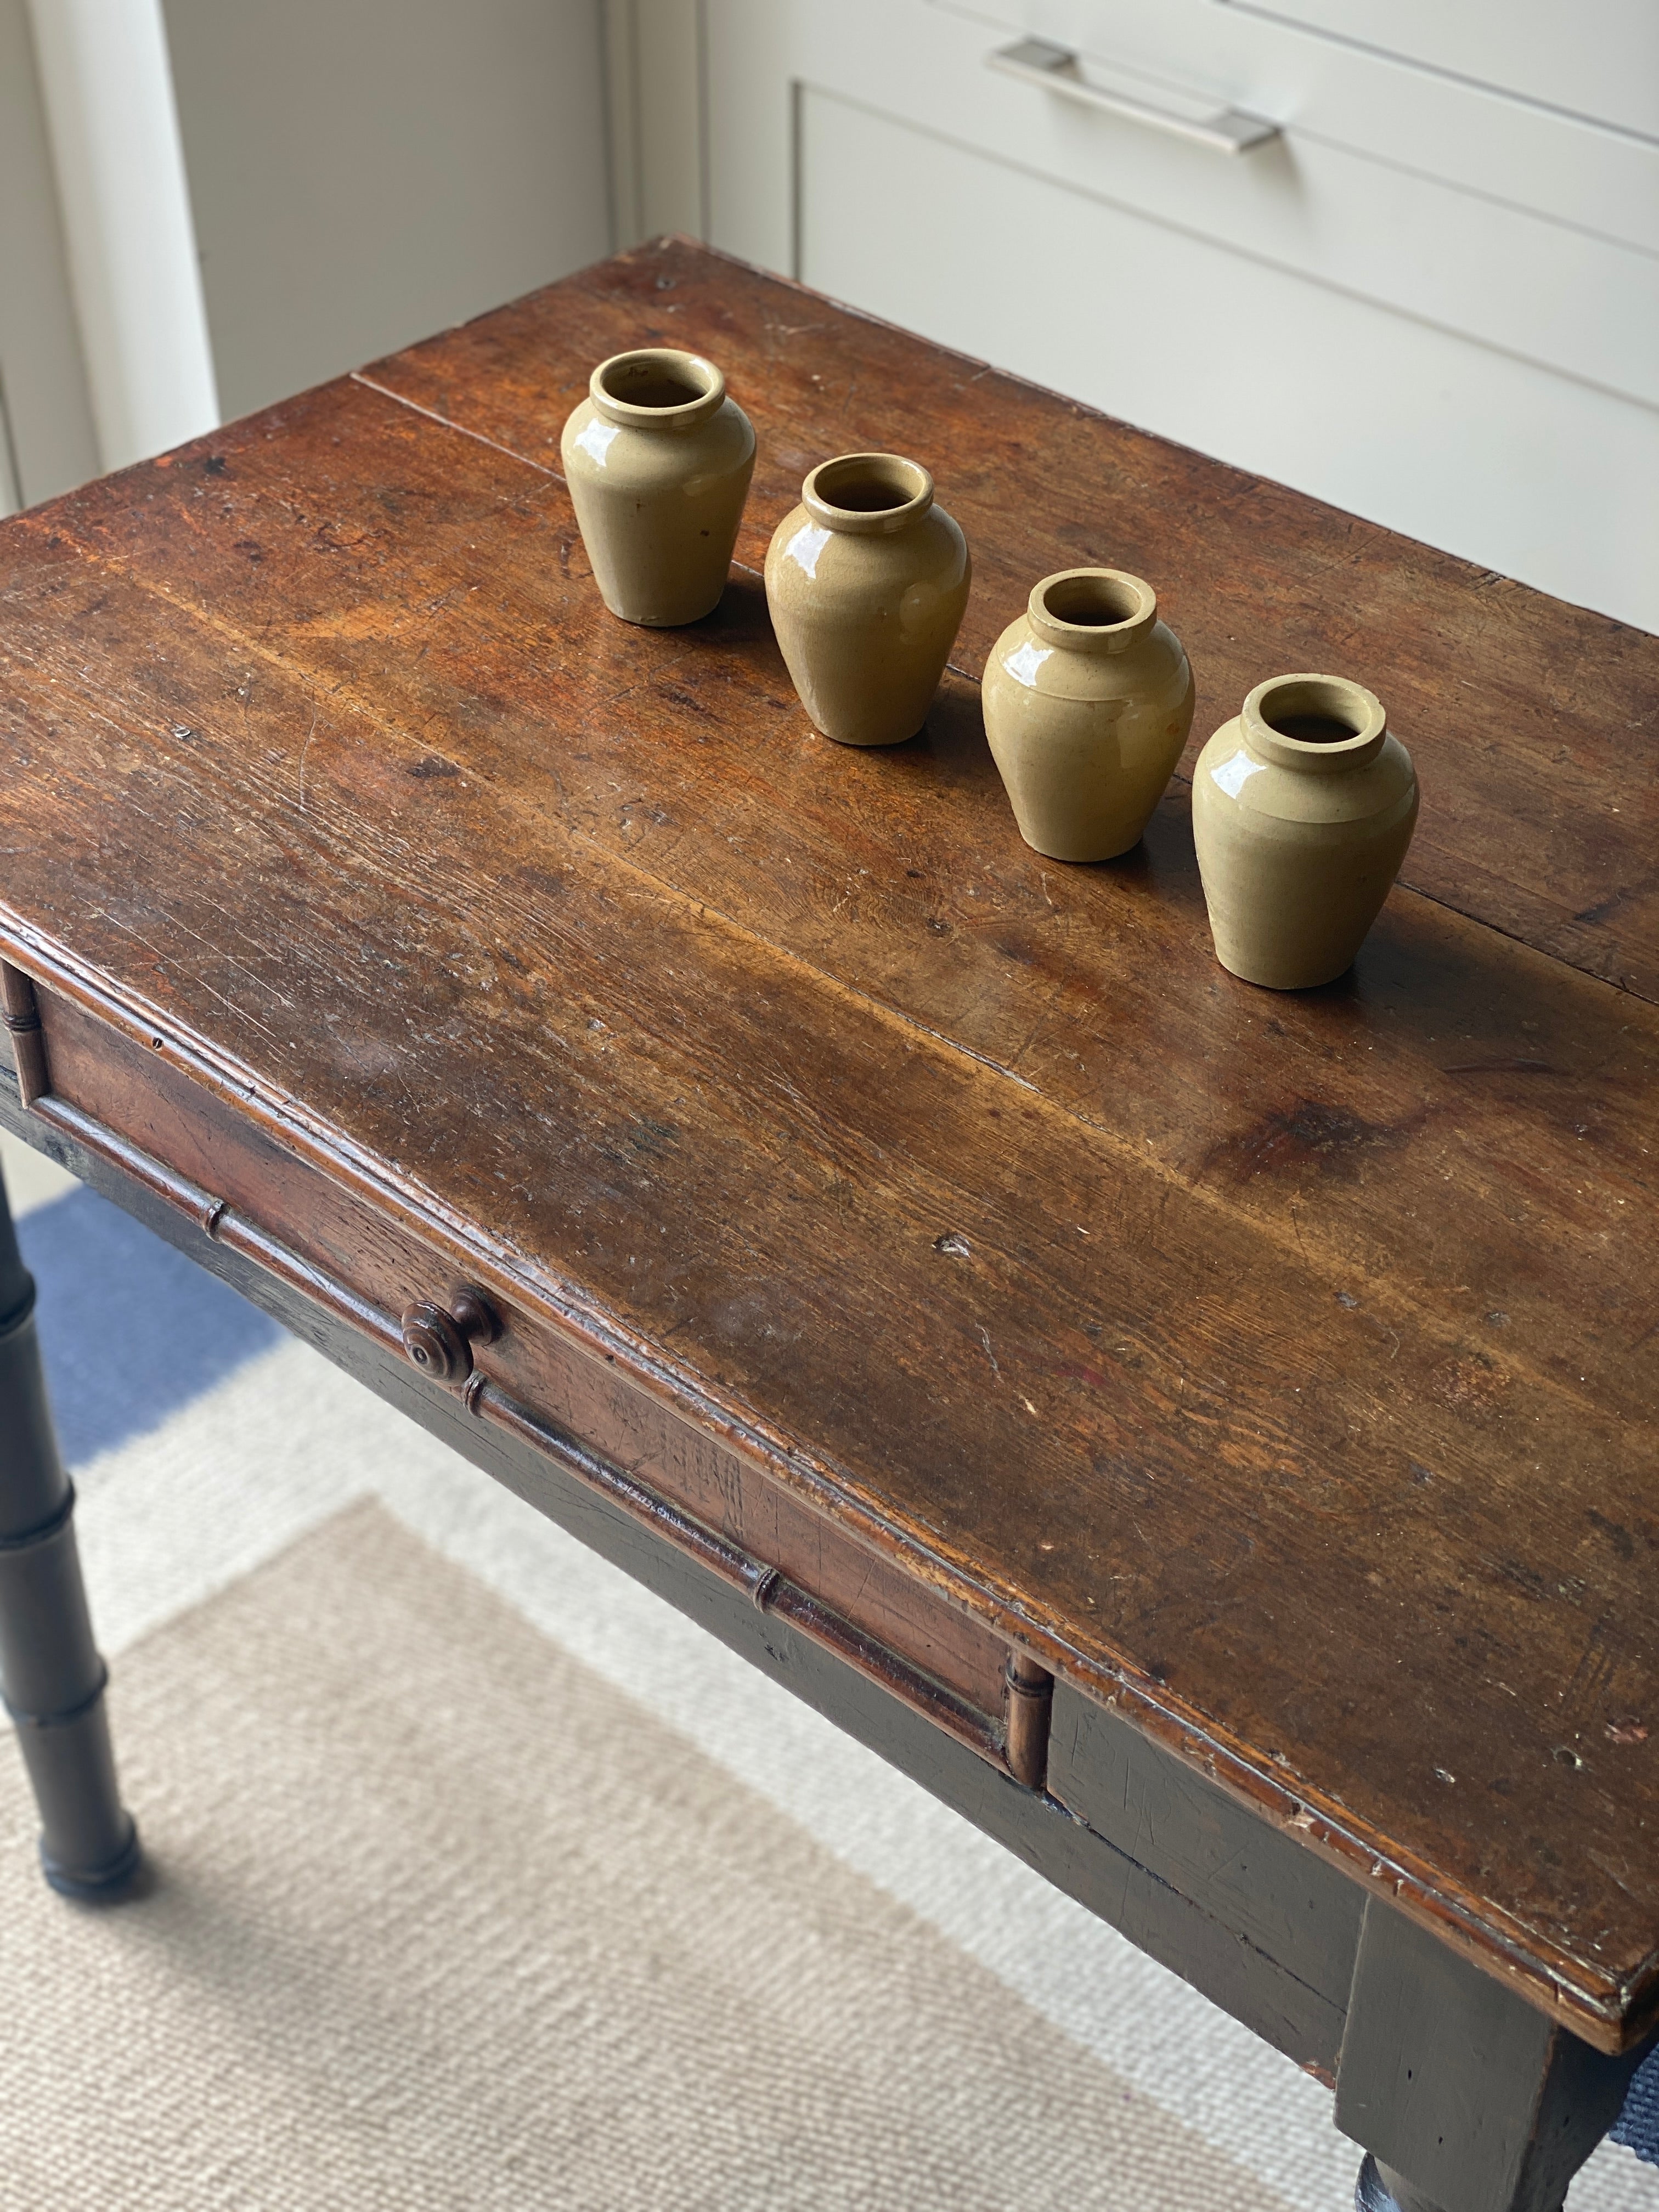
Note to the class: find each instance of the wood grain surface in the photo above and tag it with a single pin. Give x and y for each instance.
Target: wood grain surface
(1279, 1369)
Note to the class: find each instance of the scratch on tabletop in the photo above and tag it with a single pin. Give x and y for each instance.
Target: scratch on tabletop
(103, 913)
(316, 713)
(1296, 1225)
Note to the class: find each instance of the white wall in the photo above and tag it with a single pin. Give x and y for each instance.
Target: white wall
(207, 204)
(46, 437)
(130, 250)
(365, 172)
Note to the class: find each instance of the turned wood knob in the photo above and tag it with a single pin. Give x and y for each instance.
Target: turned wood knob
(439, 1342)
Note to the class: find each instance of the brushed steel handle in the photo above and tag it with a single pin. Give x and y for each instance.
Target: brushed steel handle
(1057, 68)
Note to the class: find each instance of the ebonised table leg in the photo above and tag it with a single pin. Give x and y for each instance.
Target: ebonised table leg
(1380, 2189)
(51, 1675)
(1467, 2098)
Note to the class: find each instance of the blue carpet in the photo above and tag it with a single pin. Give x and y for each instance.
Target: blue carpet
(1637, 2125)
(129, 1328)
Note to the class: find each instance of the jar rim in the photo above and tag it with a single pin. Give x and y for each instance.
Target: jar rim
(1293, 721)
(656, 388)
(1091, 609)
(867, 494)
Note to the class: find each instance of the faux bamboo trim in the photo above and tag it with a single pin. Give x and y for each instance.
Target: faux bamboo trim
(22, 1016)
(20, 1314)
(768, 1587)
(78, 1711)
(1030, 1694)
(43, 1532)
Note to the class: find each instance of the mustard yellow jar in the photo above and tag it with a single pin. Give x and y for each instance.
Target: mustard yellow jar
(867, 580)
(1088, 699)
(657, 459)
(1302, 808)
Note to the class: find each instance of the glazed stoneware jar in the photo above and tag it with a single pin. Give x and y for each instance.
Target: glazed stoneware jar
(1302, 809)
(866, 581)
(1088, 699)
(658, 460)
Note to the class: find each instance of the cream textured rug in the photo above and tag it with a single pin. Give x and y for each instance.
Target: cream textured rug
(442, 1919)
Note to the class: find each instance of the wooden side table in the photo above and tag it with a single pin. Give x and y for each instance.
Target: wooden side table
(1205, 1436)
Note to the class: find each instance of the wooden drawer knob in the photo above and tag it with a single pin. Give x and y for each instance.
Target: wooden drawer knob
(439, 1342)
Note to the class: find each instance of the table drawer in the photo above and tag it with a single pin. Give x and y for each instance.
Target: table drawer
(355, 1252)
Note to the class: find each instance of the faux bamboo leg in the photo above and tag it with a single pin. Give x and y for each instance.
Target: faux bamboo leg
(51, 1675)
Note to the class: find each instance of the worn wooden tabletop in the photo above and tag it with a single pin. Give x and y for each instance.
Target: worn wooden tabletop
(1281, 1367)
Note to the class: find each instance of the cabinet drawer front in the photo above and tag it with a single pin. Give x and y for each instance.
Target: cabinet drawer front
(1606, 69)
(128, 1097)
(1485, 454)
(1366, 205)
(1369, 97)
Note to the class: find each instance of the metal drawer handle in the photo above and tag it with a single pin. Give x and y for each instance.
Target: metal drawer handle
(1035, 61)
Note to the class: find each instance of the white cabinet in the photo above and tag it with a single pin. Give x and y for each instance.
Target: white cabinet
(1431, 301)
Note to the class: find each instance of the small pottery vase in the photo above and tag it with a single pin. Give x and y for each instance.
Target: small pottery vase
(866, 581)
(1302, 809)
(1088, 699)
(658, 460)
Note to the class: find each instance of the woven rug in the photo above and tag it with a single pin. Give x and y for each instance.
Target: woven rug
(482, 1879)
(442, 1919)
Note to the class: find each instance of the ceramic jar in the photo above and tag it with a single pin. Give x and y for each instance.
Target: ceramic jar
(1302, 809)
(866, 581)
(1088, 699)
(658, 460)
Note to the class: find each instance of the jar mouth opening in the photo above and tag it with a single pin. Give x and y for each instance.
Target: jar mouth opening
(867, 493)
(1092, 610)
(656, 387)
(1309, 720)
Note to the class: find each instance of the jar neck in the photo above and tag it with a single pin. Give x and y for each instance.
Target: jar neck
(867, 494)
(1314, 725)
(1097, 611)
(657, 388)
